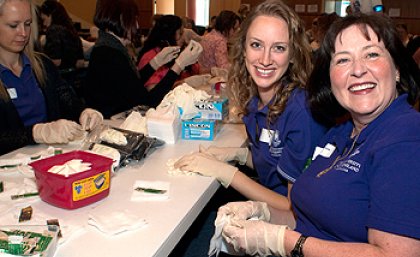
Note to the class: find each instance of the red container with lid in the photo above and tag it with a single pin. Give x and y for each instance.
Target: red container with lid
(76, 190)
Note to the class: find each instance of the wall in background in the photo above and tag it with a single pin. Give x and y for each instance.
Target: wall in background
(83, 10)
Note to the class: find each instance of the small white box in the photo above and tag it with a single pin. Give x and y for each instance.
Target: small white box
(165, 129)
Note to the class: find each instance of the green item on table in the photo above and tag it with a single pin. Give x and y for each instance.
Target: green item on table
(24, 243)
(150, 190)
(14, 197)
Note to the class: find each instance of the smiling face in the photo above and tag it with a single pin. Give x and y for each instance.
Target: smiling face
(267, 53)
(363, 75)
(15, 26)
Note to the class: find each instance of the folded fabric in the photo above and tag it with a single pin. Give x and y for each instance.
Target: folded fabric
(135, 122)
(150, 190)
(70, 167)
(13, 189)
(114, 222)
(20, 159)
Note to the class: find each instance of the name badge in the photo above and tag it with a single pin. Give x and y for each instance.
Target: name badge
(266, 135)
(326, 152)
(12, 93)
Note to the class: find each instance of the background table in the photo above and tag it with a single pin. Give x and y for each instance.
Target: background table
(167, 220)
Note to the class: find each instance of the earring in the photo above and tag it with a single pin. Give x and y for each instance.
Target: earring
(397, 76)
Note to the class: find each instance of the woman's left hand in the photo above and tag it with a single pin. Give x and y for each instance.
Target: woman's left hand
(90, 118)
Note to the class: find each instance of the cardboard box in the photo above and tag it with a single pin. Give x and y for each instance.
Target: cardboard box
(212, 109)
(200, 129)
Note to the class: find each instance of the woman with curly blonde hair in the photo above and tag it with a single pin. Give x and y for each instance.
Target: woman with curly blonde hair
(271, 62)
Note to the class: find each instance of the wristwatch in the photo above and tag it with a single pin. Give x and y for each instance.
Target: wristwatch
(297, 251)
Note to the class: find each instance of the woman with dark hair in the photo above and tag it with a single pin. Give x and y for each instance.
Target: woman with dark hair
(167, 31)
(62, 42)
(360, 195)
(215, 43)
(113, 83)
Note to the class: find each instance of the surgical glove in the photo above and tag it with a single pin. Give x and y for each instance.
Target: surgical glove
(57, 132)
(255, 237)
(90, 118)
(166, 55)
(189, 55)
(245, 210)
(226, 153)
(208, 166)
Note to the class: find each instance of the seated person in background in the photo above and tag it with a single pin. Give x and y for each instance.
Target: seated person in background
(113, 83)
(62, 42)
(360, 195)
(167, 31)
(36, 104)
(190, 32)
(215, 43)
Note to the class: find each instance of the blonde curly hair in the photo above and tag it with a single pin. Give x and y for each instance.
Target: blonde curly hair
(241, 87)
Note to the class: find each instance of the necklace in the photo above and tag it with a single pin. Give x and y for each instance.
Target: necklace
(339, 157)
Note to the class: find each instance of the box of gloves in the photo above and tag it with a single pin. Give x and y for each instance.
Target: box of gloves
(200, 129)
(74, 179)
(215, 108)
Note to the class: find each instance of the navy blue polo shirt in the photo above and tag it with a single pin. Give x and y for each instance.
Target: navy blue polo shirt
(25, 93)
(371, 181)
(284, 146)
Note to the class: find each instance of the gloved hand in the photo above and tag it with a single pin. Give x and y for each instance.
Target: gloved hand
(208, 166)
(226, 153)
(90, 118)
(56, 132)
(189, 55)
(245, 211)
(166, 55)
(255, 237)
(196, 81)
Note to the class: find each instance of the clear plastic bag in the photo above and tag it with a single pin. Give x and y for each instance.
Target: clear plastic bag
(137, 145)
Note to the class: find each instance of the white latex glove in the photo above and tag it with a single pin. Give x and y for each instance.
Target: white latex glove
(196, 81)
(226, 153)
(245, 211)
(166, 55)
(189, 55)
(208, 166)
(90, 118)
(57, 132)
(256, 237)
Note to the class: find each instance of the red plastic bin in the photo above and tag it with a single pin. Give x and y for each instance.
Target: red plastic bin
(76, 190)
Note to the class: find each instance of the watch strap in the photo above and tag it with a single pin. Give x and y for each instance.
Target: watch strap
(297, 250)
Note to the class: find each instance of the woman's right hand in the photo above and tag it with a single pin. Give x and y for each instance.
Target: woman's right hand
(166, 55)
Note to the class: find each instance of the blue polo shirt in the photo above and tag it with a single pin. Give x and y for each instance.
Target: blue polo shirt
(284, 146)
(25, 93)
(372, 181)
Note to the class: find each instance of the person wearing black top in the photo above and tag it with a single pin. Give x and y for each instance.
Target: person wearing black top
(113, 83)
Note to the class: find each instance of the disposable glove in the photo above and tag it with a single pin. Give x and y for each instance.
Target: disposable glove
(57, 132)
(189, 55)
(196, 81)
(166, 55)
(226, 153)
(255, 237)
(208, 166)
(245, 211)
(90, 118)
